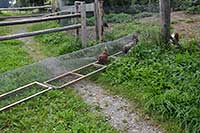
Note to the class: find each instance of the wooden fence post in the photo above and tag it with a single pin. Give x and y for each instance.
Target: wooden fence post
(60, 4)
(83, 25)
(53, 6)
(77, 10)
(165, 19)
(98, 13)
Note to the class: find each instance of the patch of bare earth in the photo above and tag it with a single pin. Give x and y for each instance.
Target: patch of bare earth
(118, 111)
(187, 25)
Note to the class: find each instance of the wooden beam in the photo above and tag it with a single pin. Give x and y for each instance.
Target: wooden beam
(165, 19)
(25, 99)
(77, 11)
(98, 13)
(25, 16)
(36, 20)
(26, 8)
(22, 35)
(83, 25)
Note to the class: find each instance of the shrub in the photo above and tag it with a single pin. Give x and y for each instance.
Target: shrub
(164, 80)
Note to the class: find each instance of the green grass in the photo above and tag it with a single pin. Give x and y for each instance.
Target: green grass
(163, 81)
(54, 44)
(119, 18)
(57, 111)
(12, 55)
(120, 30)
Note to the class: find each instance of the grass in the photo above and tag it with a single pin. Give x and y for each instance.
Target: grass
(12, 55)
(54, 44)
(119, 18)
(56, 111)
(120, 30)
(163, 81)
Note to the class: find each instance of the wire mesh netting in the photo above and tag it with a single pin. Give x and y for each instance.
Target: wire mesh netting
(55, 66)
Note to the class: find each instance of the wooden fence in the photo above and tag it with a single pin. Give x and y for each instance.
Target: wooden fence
(81, 25)
(96, 7)
(78, 10)
(26, 8)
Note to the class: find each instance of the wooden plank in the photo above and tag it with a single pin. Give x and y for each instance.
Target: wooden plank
(65, 74)
(26, 8)
(25, 16)
(16, 90)
(83, 25)
(81, 78)
(25, 99)
(72, 8)
(77, 74)
(36, 20)
(28, 34)
(22, 88)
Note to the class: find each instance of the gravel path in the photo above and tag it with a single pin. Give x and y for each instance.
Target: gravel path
(118, 111)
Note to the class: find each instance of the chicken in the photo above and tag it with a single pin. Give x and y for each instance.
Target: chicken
(127, 47)
(175, 39)
(103, 57)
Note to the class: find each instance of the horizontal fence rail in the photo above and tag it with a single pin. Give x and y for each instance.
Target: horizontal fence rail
(26, 8)
(24, 16)
(28, 34)
(35, 20)
(89, 8)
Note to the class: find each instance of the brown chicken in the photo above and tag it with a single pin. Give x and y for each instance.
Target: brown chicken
(103, 57)
(127, 47)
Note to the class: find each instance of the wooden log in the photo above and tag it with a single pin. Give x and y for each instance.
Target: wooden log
(35, 20)
(98, 13)
(22, 35)
(83, 25)
(25, 16)
(26, 8)
(96, 19)
(77, 11)
(165, 19)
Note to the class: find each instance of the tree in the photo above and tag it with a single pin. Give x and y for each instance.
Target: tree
(165, 19)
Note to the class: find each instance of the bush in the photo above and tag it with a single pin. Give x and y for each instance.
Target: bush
(194, 10)
(165, 81)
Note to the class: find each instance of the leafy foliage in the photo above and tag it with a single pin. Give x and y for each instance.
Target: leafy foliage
(165, 81)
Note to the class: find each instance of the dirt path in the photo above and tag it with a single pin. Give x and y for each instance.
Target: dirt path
(30, 45)
(187, 25)
(119, 112)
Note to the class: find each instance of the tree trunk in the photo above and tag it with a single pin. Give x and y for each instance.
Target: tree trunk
(165, 19)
